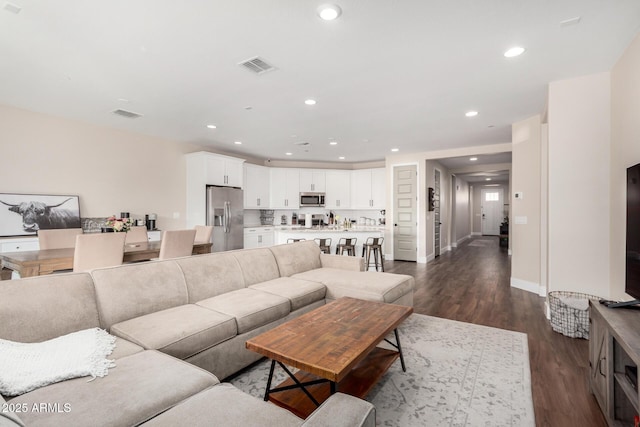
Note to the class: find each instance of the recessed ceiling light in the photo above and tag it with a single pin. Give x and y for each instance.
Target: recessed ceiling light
(570, 21)
(333, 143)
(329, 12)
(211, 126)
(514, 51)
(492, 185)
(310, 101)
(473, 159)
(395, 149)
(341, 157)
(288, 154)
(487, 179)
(471, 113)
(238, 142)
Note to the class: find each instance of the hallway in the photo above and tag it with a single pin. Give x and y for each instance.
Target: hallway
(471, 284)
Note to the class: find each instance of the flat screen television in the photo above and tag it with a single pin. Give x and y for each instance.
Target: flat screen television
(632, 274)
(632, 258)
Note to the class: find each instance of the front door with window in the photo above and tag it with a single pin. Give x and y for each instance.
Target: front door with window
(492, 211)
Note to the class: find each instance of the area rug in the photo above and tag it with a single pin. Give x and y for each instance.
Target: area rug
(458, 374)
(483, 243)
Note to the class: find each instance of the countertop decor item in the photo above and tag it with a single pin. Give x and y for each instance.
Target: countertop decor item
(119, 224)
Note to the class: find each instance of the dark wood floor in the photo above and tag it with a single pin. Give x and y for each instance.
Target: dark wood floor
(471, 284)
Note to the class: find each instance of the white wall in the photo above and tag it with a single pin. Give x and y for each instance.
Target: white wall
(579, 176)
(112, 171)
(462, 215)
(625, 152)
(524, 237)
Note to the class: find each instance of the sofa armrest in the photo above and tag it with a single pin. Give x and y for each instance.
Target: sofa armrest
(343, 262)
(342, 410)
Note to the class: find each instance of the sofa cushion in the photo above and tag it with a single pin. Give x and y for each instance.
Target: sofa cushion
(138, 388)
(42, 308)
(368, 285)
(124, 348)
(8, 417)
(133, 290)
(297, 258)
(258, 265)
(225, 405)
(179, 331)
(299, 292)
(251, 308)
(210, 275)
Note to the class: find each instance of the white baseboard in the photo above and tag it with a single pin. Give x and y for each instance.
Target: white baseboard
(462, 239)
(528, 286)
(476, 233)
(423, 260)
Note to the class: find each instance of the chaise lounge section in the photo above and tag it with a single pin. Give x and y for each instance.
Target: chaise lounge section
(182, 324)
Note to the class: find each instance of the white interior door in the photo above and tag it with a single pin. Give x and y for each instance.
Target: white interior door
(492, 205)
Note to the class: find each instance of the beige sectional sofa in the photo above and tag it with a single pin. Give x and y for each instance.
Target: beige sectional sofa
(180, 325)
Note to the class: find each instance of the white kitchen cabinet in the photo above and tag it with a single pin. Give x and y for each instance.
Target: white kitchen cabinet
(285, 188)
(378, 188)
(204, 169)
(223, 170)
(258, 237)
(256, 187)
(312, 181)
(368, 188)
(338, 194)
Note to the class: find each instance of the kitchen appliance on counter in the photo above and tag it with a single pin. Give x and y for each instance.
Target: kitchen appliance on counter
(312, 199)
(316, 220)
(225, 212)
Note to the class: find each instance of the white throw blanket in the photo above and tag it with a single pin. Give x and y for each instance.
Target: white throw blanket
(27, 366)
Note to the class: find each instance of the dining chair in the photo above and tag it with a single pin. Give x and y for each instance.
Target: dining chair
(136, 235)
(58, 238)
(177, 243)
(98, 250)
(203, 233)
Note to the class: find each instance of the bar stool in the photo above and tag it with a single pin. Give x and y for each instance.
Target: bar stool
(291, 240)
(348, 245)
(325, 244)
(373, 244)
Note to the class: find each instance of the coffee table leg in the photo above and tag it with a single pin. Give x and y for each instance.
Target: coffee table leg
(397, 345)
(266, 393)
(404, 368)
(333, 386)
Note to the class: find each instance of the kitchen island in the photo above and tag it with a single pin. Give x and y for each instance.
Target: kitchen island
(283, 233)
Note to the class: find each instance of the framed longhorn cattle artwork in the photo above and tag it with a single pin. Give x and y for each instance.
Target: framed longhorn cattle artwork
(25, 214)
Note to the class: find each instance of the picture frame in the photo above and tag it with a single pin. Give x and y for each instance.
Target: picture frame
(25, 214)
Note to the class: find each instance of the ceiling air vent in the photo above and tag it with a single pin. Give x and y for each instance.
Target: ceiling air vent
(127, 114)
(257, 65)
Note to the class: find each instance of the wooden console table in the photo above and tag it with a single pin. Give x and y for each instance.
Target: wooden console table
(614, 345)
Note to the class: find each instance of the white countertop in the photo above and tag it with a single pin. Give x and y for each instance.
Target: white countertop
(316, 229)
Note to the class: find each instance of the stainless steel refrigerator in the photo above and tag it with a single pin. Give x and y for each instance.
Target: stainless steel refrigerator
(225, 211)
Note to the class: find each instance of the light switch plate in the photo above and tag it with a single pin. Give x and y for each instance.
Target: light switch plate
(519, 195)
(521, 219)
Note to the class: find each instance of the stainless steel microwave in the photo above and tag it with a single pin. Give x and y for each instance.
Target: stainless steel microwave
(311, 199)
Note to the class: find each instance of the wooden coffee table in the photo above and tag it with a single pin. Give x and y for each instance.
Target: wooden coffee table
(335, 349)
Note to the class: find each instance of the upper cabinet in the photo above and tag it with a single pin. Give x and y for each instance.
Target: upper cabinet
(338, 194)
(285, 188)
(312, 181)
(256, 187)
(368, 189)
(204, 169)
(223, 170)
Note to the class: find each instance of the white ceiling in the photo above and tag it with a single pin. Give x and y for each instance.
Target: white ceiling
(386, 74)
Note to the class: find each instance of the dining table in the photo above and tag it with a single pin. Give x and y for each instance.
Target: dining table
(46, 261)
